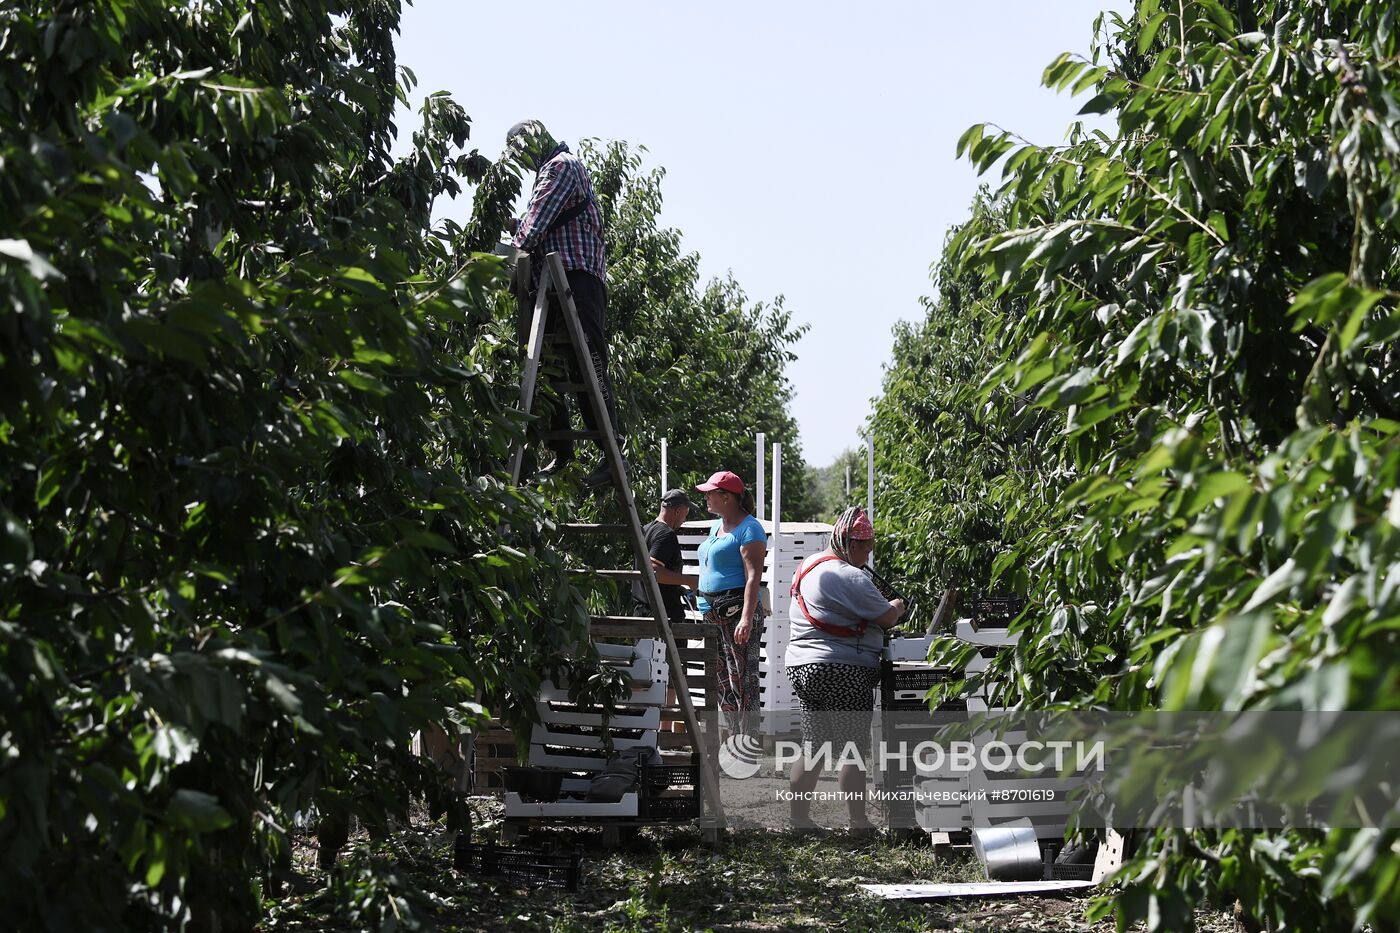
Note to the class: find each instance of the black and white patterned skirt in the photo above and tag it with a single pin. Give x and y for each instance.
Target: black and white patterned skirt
(837, 705)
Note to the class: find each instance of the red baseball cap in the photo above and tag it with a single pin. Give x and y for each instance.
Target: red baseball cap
(722, 480)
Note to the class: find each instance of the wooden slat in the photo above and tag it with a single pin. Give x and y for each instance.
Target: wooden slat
(674, 740)
(645, 629)
(699, 654)
(571, 435)
(689, 630)
(607, 574)
(588, 528)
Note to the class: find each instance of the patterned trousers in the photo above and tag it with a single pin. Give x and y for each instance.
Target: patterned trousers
(737, 673)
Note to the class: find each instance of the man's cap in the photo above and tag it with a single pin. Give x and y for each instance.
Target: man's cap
(674, 498)
(722, 480)
(523, 127)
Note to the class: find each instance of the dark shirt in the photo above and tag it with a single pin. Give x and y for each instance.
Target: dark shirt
(665, 546)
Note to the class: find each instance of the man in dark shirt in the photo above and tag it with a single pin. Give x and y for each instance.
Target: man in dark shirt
(665, 549)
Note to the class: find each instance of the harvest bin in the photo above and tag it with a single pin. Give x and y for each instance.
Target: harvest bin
(526, 866)
(657, 778)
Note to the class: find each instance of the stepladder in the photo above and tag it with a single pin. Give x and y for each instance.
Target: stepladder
(553, 296)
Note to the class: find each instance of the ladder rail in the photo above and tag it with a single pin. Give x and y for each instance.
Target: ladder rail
(530, 376)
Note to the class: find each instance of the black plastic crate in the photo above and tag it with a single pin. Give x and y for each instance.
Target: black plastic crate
(903, 689)
(916, 679)
(661, 777)
(523, 866)
(1063, 871)
(994, 612)
(921, 706)
(653, 807)
(652, 804)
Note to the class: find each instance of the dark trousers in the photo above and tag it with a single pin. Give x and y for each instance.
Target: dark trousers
(591, 300)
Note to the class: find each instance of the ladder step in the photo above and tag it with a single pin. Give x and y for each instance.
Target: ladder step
(645, 628)
(623, 620)
(572, 435)
(675, 740)
(585, 528)
(698, 654)
(706, 630)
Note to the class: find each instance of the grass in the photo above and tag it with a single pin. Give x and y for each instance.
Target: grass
(666, 879)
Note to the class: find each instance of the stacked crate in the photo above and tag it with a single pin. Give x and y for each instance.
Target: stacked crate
(579, 739)
(905, 678)
(986, 627)
(794, 542)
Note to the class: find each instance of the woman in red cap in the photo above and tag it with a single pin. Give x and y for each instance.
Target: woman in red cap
(731, 573)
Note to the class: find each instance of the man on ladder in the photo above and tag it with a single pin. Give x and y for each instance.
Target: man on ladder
(563, 217)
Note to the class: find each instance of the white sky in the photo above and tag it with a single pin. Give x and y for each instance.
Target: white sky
(808, 147)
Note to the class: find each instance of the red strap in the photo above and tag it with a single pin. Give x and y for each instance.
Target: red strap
(841, 631)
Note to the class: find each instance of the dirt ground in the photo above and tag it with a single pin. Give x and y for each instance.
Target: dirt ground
(668, 879)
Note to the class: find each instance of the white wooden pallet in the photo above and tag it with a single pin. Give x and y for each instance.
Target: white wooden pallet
(642, 718)
(516, 808)
(542, 735)
(654, 695)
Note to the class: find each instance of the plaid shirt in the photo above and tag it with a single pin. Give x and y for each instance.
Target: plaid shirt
(562, 182)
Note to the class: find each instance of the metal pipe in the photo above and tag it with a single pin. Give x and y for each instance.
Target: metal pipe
(663, 467)
(1009, 851)
(870, 484)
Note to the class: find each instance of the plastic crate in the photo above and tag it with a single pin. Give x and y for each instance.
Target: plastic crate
(1061, 871)
(655, 779)
(921, 706)
(903, 689)
(524, 866)
(660, 777)
(918, 679)
(685, 807)
(994, 611)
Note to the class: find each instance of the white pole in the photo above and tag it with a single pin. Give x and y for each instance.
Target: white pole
(777, 515)
(663, 467)
(777, 487)
(758, 473)
(870, 483)
(848, 479)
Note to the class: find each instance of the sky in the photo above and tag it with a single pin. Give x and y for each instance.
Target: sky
(808, 146)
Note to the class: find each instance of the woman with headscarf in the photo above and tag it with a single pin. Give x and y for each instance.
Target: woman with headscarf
(833, 658)
(731, 574)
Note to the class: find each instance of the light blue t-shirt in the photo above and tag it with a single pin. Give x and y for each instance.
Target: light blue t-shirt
(721, 564)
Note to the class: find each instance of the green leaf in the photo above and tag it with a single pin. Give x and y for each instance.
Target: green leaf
(16, 547)
(364, 382)
(1214, 486)
(20, 251)
(197, 812)
(1149, 32)
(1287, 576)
